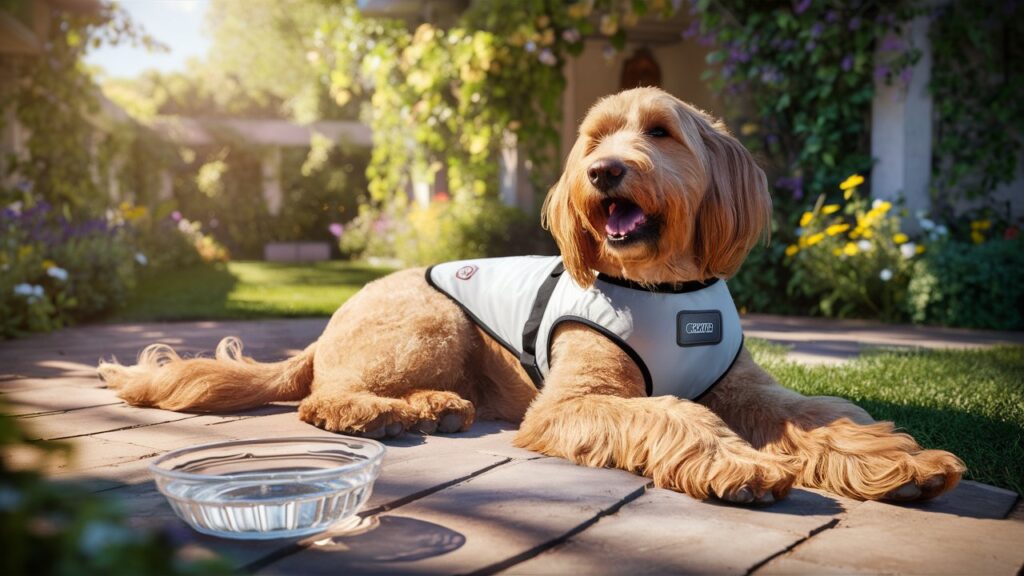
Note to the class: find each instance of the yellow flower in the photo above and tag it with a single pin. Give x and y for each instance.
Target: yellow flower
(851, 182)
(850, 249)
(981, 225)
(830, 209)
(806, 218)
(884, 206)
(47, 264)
(815, 238)
(837, 229)
(848, 193)
(919, 249)
(792, 249)
(837, 252)
(900, 238)
(868, 233)
(977, 237)
(24, 252)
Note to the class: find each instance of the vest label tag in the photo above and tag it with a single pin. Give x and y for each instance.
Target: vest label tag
(698, 327)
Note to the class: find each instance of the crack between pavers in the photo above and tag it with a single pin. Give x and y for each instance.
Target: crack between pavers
(560, 540)
(132, 427)
(306, 543)
(66, 410)
(826, 526)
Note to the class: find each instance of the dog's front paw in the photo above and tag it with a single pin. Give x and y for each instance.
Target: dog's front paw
(441, 411)
(934, 472)
(363, 415)
(757, 482)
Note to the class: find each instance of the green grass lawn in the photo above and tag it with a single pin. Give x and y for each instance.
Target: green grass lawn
(968, 402)
(242, 290)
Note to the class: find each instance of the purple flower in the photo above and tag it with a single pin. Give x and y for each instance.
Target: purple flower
(881, 72)
(854, 23)
(801, 6)
(905, 75)
(336, 229)
(788, 44)
(832, 17)
(794, 184)
(810, 46)
(692, 30)
(892, 43)
(176, 216)
(817, 29)
(847, 63)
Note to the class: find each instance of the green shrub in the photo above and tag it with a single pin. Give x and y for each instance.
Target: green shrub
(970, 285)
(445, 230)
(852, 259)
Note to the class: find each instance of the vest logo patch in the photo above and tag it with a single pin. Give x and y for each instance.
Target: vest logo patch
(698, 327)
(466, 272)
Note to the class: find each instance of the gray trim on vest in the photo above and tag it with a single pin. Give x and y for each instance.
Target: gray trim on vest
(683, 342)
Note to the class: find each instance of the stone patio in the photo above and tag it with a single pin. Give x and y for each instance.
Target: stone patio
(471, 503)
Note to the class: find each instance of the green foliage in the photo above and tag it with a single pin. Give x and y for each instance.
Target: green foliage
(977, 48)
(971, 285)
(970, 402)
(852, 259)
(802, 74)
(458, 230)
(48, 528)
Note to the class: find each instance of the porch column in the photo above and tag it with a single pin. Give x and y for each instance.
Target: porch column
(901, 130)
(270, 168)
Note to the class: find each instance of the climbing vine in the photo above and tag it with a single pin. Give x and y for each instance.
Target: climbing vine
(977, 85)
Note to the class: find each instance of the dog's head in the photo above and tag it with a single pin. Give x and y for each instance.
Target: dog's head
(655, 191)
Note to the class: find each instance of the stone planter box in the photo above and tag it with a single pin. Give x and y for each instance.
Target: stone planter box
(297, 252)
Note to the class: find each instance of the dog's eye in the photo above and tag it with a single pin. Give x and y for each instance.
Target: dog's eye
(657, 132)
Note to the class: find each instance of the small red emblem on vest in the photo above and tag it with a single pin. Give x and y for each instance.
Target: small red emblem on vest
(466, 272)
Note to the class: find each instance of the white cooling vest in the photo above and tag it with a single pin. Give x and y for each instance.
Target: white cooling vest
(683, 338)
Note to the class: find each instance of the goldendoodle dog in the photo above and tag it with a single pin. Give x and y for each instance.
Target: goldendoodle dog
(626, 351)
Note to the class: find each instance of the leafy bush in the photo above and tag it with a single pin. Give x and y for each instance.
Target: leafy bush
(57, 271)
(443, 231)
(63, 529)
(853, 260)
(972, 285)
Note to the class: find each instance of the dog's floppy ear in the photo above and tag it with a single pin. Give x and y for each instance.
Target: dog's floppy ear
(736, 209)
(579, 250)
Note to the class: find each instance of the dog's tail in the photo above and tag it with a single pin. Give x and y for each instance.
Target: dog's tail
(225, 383)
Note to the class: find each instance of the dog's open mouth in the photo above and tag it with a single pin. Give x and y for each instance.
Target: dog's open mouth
(626, 221)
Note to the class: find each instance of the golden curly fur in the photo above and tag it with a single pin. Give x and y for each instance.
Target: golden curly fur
(401, 356)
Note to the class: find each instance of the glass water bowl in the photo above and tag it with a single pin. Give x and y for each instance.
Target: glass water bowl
(269, 488)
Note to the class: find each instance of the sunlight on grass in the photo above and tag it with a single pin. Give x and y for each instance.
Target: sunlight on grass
(970, 402)
(243, 290)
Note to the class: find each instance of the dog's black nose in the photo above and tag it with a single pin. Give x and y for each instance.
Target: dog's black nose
(606, 173)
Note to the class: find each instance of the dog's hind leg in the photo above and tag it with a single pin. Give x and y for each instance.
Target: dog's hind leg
(841, 449)
(593, 411)
(394, 357)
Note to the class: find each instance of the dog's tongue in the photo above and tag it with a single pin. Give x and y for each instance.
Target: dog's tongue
(623, 218)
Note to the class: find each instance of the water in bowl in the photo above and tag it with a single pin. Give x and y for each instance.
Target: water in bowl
(265, 509)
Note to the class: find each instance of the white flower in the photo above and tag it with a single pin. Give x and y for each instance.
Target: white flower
(926, 224)
(864, 246)
(141, 259)
(38, 291)
(941, 230)
(547, 58)
(15, 207)
(571, 35)
(876, 203)
(58, 273)
(531, 46)
(23, 289)
(885, 274)
(908, 249)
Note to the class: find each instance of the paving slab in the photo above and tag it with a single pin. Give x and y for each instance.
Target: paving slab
(663, 532)
(476, 525)
(473, 502)
(877, 538)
